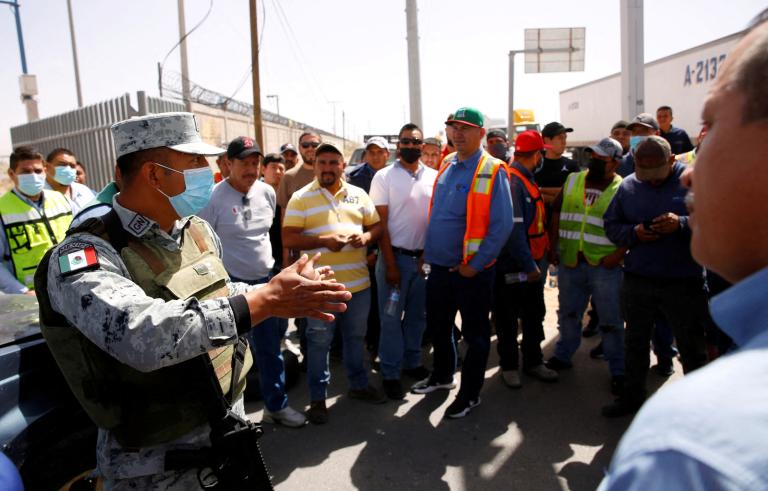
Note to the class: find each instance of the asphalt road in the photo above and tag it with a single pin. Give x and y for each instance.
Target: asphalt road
(540, 437)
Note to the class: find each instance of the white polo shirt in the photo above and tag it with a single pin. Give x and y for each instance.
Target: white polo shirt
(407, 197)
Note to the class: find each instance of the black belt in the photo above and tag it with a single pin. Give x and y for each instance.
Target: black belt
(406, 252)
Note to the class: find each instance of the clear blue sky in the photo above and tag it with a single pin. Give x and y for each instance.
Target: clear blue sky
(349, 51)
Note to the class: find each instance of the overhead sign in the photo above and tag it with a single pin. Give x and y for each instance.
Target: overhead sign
(554, 50)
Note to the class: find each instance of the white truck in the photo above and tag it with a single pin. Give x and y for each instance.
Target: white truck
(680, 81)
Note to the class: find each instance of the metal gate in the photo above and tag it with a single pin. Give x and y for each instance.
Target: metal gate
(86, 132)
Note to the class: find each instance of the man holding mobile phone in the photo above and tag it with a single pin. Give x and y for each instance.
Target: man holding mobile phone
(648, 216)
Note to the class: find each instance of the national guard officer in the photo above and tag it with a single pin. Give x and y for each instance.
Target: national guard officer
(147, 327)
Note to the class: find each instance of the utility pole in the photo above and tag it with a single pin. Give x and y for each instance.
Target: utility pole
(632, 59)
(257, 126)
(414, 70)
(74, 55)
(27, 82)
(276, 97)
(185, 92)
(334, 114)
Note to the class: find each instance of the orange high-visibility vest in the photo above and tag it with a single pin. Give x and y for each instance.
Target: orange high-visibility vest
(538, 240)
(478, 202)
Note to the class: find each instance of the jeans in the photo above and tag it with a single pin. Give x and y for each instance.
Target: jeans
(400, 342)
(265, 340)
(353, 324)
(448, 292)
(683, 302)
(522, 301)
(575, 287)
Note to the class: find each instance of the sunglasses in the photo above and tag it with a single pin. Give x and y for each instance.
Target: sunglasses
(310, 144)
(411, 141)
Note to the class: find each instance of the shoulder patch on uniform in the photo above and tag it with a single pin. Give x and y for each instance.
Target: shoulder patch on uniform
(138, 225)
(77, 256)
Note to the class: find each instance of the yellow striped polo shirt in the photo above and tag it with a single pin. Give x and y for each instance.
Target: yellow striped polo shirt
(313, 209)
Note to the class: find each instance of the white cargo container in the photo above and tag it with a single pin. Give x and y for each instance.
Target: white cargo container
(681, 81)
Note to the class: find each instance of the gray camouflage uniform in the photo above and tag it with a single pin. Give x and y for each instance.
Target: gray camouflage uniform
(144, 333)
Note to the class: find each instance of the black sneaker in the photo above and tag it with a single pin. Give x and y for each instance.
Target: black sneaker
(621, 407)
(393, 389)
(597, 352)
(461, 407)
(418, 373)
(369, 394)
(557, 364)
(317, 413)
(430, 385)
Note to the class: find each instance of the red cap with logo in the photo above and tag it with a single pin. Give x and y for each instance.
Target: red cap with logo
(529, 141)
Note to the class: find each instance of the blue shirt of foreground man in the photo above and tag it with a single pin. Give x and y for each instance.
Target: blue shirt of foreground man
(709, 430)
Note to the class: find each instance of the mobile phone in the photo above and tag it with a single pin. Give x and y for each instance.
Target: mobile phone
(647, 224)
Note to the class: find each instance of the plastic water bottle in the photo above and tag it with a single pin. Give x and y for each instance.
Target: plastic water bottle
(552, 276)
(425, 270)
(511, 278)
(392, 301)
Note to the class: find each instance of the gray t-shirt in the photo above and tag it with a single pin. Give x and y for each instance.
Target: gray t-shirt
(242, 221)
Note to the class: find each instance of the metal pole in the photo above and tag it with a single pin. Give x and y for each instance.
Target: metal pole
(74, 55)
(414, 69)
(511, 103)
(257, 125)
(185, 92)
(19, 35)
(632, 59)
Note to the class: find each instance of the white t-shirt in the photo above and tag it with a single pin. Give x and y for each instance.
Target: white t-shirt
(242, 222)
(81, 195)
(407, 197)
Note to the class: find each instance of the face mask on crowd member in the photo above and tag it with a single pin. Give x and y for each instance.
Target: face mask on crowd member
(409, 144)
(62, 167)
(198, 186)
(643, 126)
(605, 159)
(29, 177)
(497, 144)
(653, 160)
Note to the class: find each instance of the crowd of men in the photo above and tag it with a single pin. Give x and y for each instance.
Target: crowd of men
(163, 276)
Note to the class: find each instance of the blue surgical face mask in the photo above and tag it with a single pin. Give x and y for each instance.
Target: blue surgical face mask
(199, 185)
(634, 141)
(31, 184)
(65, 175)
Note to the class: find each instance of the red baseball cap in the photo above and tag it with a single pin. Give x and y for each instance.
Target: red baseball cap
(529, 141)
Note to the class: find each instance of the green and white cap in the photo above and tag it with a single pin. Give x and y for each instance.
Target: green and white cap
(469, 116)
(177, 131)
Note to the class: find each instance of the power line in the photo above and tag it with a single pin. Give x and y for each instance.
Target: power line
(247, 73)
(181, 40)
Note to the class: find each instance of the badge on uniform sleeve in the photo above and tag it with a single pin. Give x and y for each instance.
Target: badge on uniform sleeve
(78, 260)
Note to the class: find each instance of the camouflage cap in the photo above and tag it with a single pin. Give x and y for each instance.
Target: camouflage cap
(177, 131)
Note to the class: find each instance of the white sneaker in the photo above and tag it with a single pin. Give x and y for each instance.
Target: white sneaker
(286, 417)
(542, 373)
(511, 378)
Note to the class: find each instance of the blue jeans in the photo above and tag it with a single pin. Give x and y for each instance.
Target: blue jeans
(575, 286)
(353, 324)
(265, 340)
(400, 341)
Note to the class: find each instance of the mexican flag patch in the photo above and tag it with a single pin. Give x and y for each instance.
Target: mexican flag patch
(78, 260)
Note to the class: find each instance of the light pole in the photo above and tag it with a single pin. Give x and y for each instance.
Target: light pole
(276, 97)
(27, 82)
(74, 55)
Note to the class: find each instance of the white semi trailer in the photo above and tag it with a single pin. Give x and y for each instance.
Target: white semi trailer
(681, 81)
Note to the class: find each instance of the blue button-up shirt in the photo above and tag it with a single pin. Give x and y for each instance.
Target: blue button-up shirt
(448, 221)
(708, 430)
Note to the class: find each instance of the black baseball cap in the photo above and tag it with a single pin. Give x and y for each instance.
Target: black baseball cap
(243, 146)
(619, 124)
(553, 129)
